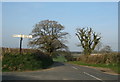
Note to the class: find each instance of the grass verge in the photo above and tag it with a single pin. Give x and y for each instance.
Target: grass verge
(114, 67)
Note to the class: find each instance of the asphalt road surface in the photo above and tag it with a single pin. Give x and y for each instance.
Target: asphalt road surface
(61, 71)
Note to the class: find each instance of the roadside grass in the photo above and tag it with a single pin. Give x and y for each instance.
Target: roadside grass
(60, 59)
(115, 67)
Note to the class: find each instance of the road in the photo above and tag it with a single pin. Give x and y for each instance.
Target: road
(61, 71)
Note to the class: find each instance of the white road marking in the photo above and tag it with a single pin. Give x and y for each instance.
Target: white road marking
(74, 67)
(93, 76)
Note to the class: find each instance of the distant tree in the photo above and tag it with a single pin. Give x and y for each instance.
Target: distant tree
(88, 39)
(98, 46)
(106, 49)
(49, 37)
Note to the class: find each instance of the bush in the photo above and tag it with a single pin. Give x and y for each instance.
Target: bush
(17, 50)
(107, 58)
(21, 62)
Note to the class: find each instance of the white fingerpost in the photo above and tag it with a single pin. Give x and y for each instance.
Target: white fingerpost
(21, 38)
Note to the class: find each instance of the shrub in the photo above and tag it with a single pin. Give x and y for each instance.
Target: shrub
(17, 51)
(21, 62)
(107, 58)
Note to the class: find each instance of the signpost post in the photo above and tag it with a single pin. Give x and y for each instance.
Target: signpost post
(21, 38)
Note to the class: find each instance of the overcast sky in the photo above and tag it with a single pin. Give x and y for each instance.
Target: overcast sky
(19, 18)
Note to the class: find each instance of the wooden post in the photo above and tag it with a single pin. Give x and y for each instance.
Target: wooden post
(21, 45)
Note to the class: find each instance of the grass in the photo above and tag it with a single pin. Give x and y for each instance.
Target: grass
(114, 67)
(60, 59)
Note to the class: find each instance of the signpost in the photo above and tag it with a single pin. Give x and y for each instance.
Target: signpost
(21, 38)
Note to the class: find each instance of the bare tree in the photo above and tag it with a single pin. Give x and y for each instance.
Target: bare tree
(48, 36)
(99, 46)
(106, 49)
(88, 39)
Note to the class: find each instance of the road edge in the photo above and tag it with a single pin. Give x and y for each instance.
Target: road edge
(104, 70)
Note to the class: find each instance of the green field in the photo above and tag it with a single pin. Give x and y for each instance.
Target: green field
(60, 59)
